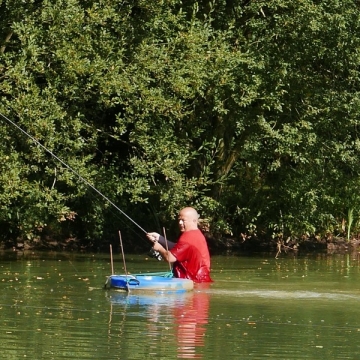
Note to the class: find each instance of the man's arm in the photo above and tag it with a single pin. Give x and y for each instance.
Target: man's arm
(153, 236)
(166, 243)
(166, 254)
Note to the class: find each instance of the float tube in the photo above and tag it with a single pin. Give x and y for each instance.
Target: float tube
(158, 282)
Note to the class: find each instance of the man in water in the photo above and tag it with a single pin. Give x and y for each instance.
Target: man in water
(190, 255)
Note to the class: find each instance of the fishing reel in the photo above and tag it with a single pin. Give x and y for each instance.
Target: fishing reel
(155, 254)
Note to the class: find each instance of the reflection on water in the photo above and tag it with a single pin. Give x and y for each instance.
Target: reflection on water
(187, 312)
(54, 307)
(191, 320)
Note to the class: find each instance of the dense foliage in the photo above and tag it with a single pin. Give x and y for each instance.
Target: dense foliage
(246, 110)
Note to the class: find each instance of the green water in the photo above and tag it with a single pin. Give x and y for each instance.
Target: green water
(53, 306)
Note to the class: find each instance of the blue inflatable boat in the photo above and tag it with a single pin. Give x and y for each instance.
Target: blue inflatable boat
(158, 282)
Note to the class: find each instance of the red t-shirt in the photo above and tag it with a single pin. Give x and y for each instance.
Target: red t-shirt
(192, 257)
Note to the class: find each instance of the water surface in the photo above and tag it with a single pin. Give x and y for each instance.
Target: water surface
(53, 306)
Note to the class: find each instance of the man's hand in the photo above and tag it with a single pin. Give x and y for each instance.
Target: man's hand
(153, 236)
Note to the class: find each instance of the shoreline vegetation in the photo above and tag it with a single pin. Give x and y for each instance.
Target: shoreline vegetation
(248, 111)
(334, 245)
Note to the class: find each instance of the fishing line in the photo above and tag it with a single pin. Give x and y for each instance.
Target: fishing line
(122, 221)
(75, 172)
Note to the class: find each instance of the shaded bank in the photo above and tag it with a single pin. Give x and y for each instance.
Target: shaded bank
(307, 245)
(217, 246)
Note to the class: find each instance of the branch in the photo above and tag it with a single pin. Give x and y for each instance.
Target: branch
(7, 39)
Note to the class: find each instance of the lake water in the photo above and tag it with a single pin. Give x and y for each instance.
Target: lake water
(54, 306)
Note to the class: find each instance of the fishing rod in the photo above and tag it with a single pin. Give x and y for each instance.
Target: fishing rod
(75, 172)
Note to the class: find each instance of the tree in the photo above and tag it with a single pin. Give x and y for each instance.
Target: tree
(246, 110)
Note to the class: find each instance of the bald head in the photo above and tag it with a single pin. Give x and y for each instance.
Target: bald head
(188, 219)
